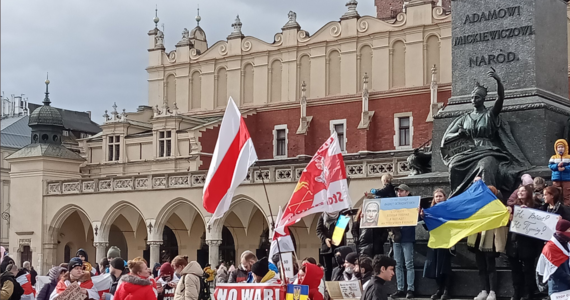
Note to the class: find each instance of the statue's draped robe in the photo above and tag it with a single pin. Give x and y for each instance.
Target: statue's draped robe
(496, 156)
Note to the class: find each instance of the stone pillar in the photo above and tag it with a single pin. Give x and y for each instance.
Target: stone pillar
(214, 251)
(154, 252)
(100, 251)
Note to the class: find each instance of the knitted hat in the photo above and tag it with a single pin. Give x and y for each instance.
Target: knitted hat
(55, 272)
(113, 252)
(527, 179)
(74, 262)
(260, 267)
(351, 258)
(166, 269)
(562, 225)
(118, 263)
(82, 253)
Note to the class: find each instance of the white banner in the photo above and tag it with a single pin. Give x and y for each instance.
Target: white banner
(560, 296)
(534, 223)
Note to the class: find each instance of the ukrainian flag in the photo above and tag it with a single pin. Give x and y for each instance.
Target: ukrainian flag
(297, 292)
(473, 211)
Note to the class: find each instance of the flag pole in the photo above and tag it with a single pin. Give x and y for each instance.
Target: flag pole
(273, 226)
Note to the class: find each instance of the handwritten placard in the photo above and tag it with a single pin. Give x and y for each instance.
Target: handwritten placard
(350, 289)
(534, 223)
(565, 295)
(288, 264)
(390, 212)
(72, 292)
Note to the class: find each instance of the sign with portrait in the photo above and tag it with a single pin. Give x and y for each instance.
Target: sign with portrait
(390, 212)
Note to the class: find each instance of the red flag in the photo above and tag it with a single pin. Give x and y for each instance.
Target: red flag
(321, 188)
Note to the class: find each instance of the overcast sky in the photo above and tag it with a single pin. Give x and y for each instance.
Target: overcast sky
(96, 51)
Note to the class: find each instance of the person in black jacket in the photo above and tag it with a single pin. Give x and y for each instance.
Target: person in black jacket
(325, 229)
(55, 275)
(365, 269)
(340, 255)
(552, 203)
(117, 270)
(10, 288)
(384, 270)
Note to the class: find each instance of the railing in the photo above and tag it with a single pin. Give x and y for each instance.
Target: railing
(277, 174)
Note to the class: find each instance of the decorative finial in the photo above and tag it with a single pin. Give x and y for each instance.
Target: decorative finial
(46, 101)
(156, 19)
(237, 29)
(198, 18)
(352, 12)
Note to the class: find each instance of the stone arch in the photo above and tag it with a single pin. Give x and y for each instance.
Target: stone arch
(221, 87)
(305, 73)
(333, 72)
(63, 231)
(126, 222)
(196, 89)
(365, 54)
(398, 64)
(432, 55)
(248, 83)
(276, 70)
(113, 213)
(61, 216)
(169, 209)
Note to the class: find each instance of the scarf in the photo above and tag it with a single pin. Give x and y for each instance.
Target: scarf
(327, 216)
(496, 238)
(268, 276)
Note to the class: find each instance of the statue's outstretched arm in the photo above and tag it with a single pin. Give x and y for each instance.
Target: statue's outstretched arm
(498, 107)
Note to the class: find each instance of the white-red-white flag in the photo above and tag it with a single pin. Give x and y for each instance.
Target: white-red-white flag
(321, 188)
(285, 241)
(233, 155)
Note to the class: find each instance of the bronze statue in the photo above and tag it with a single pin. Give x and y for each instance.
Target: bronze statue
(480, 143)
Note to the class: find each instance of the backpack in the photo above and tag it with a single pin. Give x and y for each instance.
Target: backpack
(204, 292)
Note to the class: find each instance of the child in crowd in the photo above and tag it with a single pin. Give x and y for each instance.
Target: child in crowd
(560, 172)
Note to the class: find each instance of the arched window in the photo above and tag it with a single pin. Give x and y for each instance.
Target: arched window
(432, 56)
(248, 84)
(305, 74)
(196, 90)
(398, 64)
(276, 81)
(334, 73)
(222, 88)
(365, 66)
(170, 90)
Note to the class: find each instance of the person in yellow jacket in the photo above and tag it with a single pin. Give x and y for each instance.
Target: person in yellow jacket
(211, 273)
(560, 166)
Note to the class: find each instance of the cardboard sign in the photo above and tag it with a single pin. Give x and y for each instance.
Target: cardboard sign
(390, 212)
(288, 264)
(534, 223)
(251, 291)
(560, 296)
(344, 289)
(339, 229)
(72, 292)
(297, 292)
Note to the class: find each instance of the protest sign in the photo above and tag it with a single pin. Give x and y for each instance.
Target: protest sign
(339, 229)
(297, 292)
(72, 292)
(288, 264)
(390, 212)
(252, 291)
(344, 289)
(560, 295)
(41, 281)
(534, 223)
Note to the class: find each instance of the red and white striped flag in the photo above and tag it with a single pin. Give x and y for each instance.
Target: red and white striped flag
(233, 155)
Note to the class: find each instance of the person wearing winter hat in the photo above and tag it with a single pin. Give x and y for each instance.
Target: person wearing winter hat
(82, 254)
(113, 252)
(350, 265)
(167, 282)
(340, 254)
(136, 285)
(55, 274)
(261, 272)
(76, 274)
(553, 264)
(312, 276)
(117, 270)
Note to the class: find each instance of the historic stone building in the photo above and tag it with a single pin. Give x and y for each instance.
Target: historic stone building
(138, 184)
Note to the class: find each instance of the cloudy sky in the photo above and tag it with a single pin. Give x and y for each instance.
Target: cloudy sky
(96, 51)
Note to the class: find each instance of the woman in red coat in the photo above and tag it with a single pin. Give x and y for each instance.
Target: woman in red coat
(311, 275)
(136, 285)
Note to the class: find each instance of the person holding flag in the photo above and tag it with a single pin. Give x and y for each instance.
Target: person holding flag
(322, 188)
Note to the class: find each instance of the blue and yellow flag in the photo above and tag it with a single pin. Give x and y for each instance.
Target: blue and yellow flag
(297, 292)
(475, 210)
(339, 229)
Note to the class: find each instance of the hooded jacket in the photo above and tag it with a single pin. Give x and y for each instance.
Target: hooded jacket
(313, 278)
(556, 159)
(10, 288)
(188, 287)
(133, 287)
(337, 273)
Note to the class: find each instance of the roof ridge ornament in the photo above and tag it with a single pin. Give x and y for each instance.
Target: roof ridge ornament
(237, 29)
(352, 12)
(46, 101)
(292, 23)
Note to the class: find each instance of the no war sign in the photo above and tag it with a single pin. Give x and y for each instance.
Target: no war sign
(250, 291)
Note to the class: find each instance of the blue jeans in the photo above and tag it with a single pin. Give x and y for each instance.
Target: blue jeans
(404, 255)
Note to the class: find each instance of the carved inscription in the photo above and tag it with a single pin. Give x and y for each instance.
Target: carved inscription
(494, 14)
